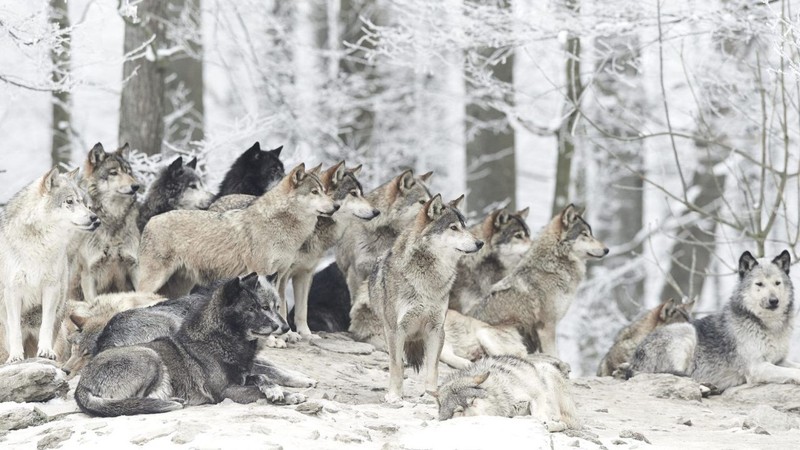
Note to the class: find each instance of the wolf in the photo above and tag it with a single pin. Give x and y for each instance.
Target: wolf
(669, 312)
(468, 339)
(509, 386)
(253, 173)
(747, 342)
(209, 359)
(507, 238)
(199, 247)
(36, 228)
(539, 290)
(105, 261)
(410, 285)
(328, 302)
(177, 186)
(86, 321)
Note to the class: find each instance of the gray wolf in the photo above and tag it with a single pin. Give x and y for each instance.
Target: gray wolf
(86, 321)
(668, 312)
(177, 186)
(468, 339)
(209, 359)
(539, 290)
(253, 173)
(186, 248)
(106, 259)
(507, 239)
(509, 386)
(409, 289)
(747, 342)
(36, 229)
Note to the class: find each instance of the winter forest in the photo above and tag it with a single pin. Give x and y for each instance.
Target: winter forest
(675, 123)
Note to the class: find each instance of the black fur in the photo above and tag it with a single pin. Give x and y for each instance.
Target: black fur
(328, 302)
(253, 173)
(164, 194)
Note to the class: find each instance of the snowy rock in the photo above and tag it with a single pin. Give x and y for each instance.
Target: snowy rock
(32, 380)
(54, 438)
(17, 417)
(661, 385)
(310, 408)
(340, 346)
(786, 395)
(629, 434)
(771, 419)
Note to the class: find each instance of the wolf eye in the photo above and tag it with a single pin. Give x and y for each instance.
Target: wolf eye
(760, 284)
(454, 227)
(519, 236)
(192, 186)
(422, 202)
(354, 193)
(777, 283)
(315, 191)
(113, 172)
(70, 201)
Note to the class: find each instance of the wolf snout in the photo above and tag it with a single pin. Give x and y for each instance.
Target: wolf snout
(285, 328)
(135, 187)
(773, 302)
(479, 244)
(605, 251)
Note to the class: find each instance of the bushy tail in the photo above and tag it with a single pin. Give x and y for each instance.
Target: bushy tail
(415, 354)
(97, 406)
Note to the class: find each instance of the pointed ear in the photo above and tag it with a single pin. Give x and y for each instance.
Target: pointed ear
(124, 151)
(97, 155)
(272, 278)
(502, 218)
(479, 379)
(784, 261)
(192, 164)
(338, 172)
(79, 321)
(176, 165)
(405, 181)
(688, 305)
(298, 174)
(276, 151)
(74, 174)
(316, 169)
(746, 264)
(231, 291)
(253, 151)
(49, 181)
(569, 215)
(457, 203)
(666, 309)
(250, 281)
(426, 176)
(355, 170)
(434, 207)
(523, 213)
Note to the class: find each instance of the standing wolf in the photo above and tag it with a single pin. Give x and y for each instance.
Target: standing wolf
(537, 293)
(747, 342)
(177, 186)
(209, 359)
(668, 312)
(106, 259)
(199, 247)
(35, 231)
(409, 289)
(253, 173)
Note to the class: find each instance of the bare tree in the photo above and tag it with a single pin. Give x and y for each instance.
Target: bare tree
(60, 56)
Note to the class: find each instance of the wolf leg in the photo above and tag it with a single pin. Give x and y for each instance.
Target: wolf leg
(547, 336)
(282, 376)
(51, 297)
(450, 358)
(242, 394)
(395, 343)
(496, 341)
(433, 349)
(301, 281)
(13, 304)
(283, 281)
(789, 364)
(88, 285)
(273, 392)
(765, 372)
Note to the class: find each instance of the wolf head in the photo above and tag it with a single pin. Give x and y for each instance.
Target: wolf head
(345, 190)
(307, 192)
(458, 394)
(675, 311)
(255, 171)
(765, 290)
(82, 338)
(181, 184)
(249, 307)
(443, 229)
(110, 174)
(508, 234)
(576, 234)
(66, 201)
(400, 199)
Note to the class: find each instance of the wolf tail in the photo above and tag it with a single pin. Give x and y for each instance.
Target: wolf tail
(97, 406)
(415, 353)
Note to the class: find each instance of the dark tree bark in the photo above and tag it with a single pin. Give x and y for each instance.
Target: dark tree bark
(61, 146)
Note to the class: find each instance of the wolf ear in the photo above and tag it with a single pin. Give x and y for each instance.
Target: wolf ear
(501, 219)
(253, 151)
(569, 215)
(434, 207)
(667, 308)
(316, 169)
(272, 278)
(479, 379)
(426, 176)
(355, 170)
(338, 172)
(231, 291)
(276, 151)
(405, 181)
(192, 164)
(97, 155)
(50, 180)
(79, 321)
(250, 280)
(457, 203)
(523, 213)
(124, 151)
(74, 174)
(784, 261)
(298, 174)
(746, 264)
(176, 165)
(688, 305)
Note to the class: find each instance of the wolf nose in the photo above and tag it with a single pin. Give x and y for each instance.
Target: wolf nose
(605, 251)
(375, 213)
(93, 218)
(285, 328)
(336, 206)
(773, 301)
(479, 244)
(135, 187)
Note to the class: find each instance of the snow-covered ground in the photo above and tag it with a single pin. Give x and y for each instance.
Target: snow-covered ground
(345, 411)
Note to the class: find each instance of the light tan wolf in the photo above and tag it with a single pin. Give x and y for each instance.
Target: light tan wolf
(106, 259)
(507, 239)
(199, 247)
(670, 311)
(409, 289)
(36, 229)
(537, 293)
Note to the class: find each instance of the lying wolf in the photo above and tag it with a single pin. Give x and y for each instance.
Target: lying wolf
(209, 359)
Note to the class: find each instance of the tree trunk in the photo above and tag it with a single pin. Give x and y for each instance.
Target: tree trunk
(490, 163)
(61, 148)
(142, 103)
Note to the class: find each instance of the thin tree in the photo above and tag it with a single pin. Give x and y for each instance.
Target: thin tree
(60, 56)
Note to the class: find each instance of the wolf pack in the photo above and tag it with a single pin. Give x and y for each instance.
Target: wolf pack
(162, 298)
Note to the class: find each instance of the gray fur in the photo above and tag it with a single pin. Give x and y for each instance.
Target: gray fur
(177, 186)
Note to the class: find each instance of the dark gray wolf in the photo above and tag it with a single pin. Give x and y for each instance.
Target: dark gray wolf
(198, 247)
(36, 229)
(255, 172)
(507, 239)
(209, 359)
(105, 260)
(539, 290)
(177, 186)
(509, 386)
(747, 342)
(409, 289)
(668, 312)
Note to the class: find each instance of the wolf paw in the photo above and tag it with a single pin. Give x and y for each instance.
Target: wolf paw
(292, 337)
(392, 398)
(46, 353)
(555, 426)
(17, 357)
(294, 398)
(273, 342)
(273, 394)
